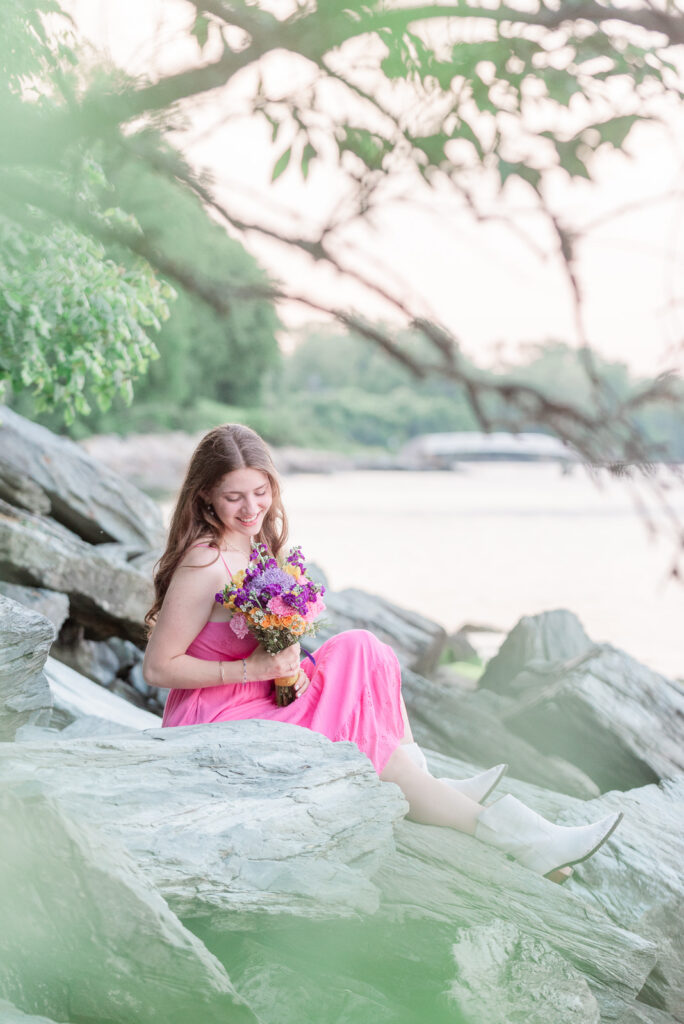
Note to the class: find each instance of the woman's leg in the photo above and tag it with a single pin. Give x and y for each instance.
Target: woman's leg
(431, 802)
(408, 735)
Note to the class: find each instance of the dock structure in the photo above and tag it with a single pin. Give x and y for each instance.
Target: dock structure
(443, 451)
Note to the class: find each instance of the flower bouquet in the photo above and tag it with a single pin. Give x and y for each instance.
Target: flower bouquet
(277, 603)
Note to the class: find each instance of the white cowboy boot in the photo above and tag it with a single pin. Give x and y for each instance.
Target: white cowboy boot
(477, 787)
(536, 843)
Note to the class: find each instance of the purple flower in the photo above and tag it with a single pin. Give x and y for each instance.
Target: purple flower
(271, 576)
(219, 598)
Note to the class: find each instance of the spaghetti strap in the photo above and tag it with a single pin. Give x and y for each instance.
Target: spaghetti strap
(200, 545)
(226, 564)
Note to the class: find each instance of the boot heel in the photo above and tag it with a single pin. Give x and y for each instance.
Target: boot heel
(559, 876)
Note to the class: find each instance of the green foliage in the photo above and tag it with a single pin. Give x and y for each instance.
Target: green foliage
(356, 396)
(73, 321)
(70, 317)
(203, 354)
(485, 92)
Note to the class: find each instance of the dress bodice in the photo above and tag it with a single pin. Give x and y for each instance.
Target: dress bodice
(216, 641)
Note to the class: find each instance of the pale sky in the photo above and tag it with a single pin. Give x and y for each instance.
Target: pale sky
(481, 280)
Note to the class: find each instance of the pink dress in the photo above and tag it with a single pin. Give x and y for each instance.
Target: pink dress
(354, 693)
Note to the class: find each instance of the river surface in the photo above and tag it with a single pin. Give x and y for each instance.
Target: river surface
(496, 541)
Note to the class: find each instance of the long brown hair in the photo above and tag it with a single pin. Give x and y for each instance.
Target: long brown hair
(225, 448)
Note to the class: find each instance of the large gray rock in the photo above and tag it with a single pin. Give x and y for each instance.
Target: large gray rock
(418, 641)
(10, 1014)
(86, 936)
(25, 639)
(634, 881)
(471, 726)
(91, 658)
(50, 603)
(84, 495)
(505, 975)
(232, 817)
(641, 885)
(451, 880)
(106, 595)
(75, 697)
(590, 704)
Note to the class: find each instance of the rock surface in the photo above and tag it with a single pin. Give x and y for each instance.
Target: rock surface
(25, 697)
(470, 726)
(106, 595)
(75, 697)
(87, 497)
(10, 1014)
(505, 975)
(53, 605)
(85, 937)
(418, 641)
(233, 817)
(591, 704)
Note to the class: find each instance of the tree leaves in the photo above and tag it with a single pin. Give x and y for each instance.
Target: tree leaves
(281, 163)
(69, 316)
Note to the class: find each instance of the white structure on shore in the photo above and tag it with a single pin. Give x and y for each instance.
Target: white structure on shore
(441, 451)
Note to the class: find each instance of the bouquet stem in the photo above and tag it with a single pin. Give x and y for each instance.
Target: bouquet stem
(284, 689)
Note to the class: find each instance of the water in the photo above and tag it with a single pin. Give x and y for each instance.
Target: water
(495, 542)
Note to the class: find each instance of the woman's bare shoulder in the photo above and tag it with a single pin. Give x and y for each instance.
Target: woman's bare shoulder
(199, 556)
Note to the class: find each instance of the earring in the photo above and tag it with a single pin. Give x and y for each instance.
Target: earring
(210, 510)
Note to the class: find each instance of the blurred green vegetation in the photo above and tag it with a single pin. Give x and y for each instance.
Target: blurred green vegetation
(337, 392)
(222, 359)
(98, 212)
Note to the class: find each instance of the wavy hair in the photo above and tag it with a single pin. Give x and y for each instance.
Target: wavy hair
(225, 448)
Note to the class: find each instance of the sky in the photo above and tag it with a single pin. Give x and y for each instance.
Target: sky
(493, 290)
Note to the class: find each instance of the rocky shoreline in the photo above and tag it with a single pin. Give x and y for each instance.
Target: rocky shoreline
(255, 871)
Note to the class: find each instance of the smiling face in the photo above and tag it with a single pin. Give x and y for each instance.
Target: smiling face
(240, 500)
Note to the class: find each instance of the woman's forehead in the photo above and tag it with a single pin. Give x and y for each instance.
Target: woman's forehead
(245, 479)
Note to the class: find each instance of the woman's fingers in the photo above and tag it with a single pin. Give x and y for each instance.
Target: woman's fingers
(302, 683)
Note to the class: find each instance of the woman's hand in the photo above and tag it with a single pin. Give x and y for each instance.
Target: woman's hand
(302, 683)
(262, 665)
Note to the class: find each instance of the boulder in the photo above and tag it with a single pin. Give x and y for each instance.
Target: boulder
(547, 638)
(634, 881)
(21, 490)
(84, 495)
(106, 596)
(504, 974)
(450, 880)
(53, 605)
(85, 936)
(74, 696)
(25, 639)
(470, 725)
(91, 658)
(641, 884)
(10, 1014)
(418, 641)
(590, 704)
(230, 818)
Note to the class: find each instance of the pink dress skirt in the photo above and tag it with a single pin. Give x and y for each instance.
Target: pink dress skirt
(354, 693)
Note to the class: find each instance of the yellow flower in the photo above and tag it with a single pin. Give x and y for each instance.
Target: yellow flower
(293, 570)
(238, 578)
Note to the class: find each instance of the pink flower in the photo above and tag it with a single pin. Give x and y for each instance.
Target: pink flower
(280, 607)
(238, 624)
(314, 609)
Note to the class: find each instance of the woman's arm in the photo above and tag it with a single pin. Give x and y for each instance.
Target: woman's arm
(186, 609)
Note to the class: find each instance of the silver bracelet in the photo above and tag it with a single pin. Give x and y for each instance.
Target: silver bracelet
(244, 670)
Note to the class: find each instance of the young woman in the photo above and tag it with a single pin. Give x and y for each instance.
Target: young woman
(230, 498)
